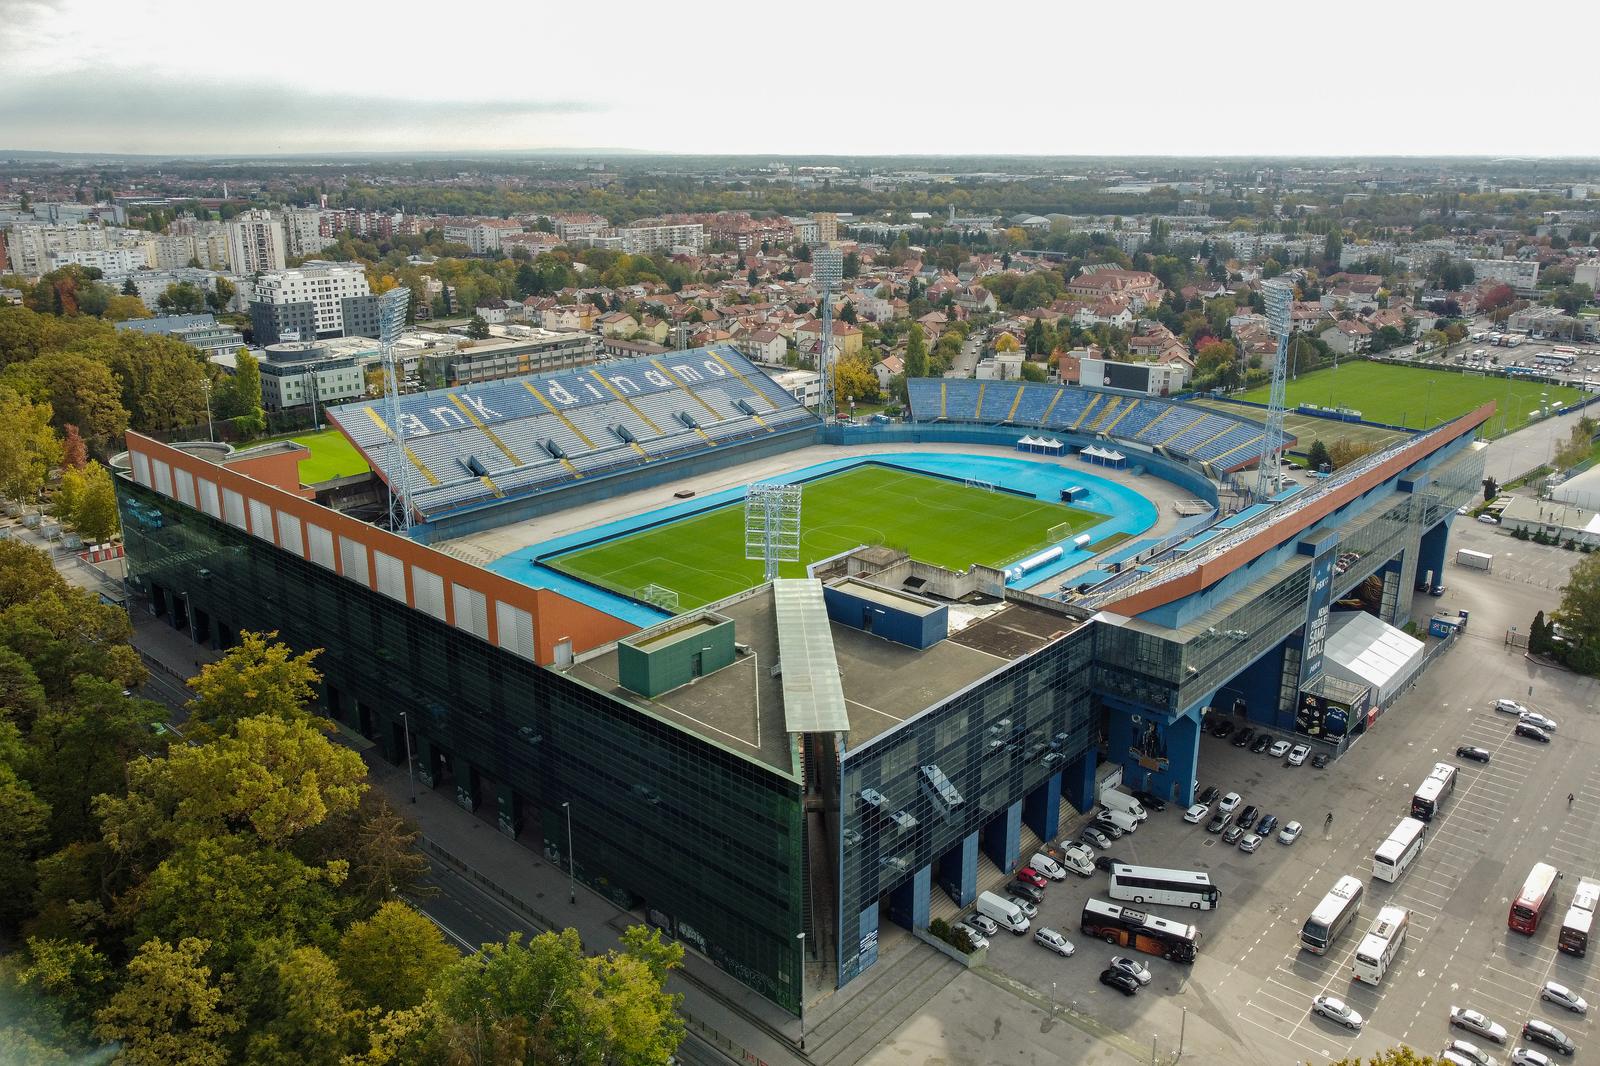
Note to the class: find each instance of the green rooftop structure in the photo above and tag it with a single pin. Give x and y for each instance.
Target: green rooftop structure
(671, 655)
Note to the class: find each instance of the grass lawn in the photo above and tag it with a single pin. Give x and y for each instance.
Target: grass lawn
(701, 558)
(1405, 395)
(332, 455)
(1307, 428)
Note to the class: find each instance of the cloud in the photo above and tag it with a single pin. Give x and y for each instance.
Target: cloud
(142, 112)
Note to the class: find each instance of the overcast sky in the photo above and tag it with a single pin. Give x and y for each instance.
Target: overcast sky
(1071, 77)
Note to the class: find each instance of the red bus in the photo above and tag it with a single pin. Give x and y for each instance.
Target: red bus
(1537, 892)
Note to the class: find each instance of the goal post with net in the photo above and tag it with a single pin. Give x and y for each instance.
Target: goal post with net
(1059, 533)
(660, 596)
(979, 483)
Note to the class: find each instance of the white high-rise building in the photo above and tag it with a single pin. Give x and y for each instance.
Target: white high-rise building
(255, 243)
(316, 300)
(302, 226)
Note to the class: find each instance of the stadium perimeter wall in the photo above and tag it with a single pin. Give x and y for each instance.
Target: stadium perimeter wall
(1002, 437)
(495, 513)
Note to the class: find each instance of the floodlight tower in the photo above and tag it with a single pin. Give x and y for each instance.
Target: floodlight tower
(392, 307)
(772, 525)
(827, 269)
(1280, 304)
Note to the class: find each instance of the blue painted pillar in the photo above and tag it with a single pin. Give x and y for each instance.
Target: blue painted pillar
(958, 871)
(1041, 808)
(1259, 688)
(908, 904)
(1183, 755)
(1002, 837)
(1080, 780)
(867, 934)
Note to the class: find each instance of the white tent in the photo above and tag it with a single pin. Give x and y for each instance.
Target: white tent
(1367, 650)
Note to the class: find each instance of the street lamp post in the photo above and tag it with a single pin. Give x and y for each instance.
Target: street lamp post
(572, 863)
(411, 770)
(211, 434)
(801, 936)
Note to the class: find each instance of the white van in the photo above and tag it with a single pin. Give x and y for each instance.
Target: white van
(1005, 913)
(1120, 801)
(1121, 819)
(1046, 865)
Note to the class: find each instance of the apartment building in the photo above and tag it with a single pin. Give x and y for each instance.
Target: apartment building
(1521, 274)
(108, 261)
(316, 301)
(304, 231)
(256, 243)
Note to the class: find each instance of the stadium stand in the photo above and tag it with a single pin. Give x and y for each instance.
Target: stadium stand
(500, 439)
(1225, 441)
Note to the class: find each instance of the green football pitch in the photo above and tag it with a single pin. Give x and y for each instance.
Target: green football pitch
(701, 558)
(332, 455)
(1412, 396)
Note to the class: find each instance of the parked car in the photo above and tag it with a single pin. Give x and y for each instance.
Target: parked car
(1526, 1056)
(1078, 858)
(1268, 823)
(1532, 732)
(1243, 737)
(1208, 795)
(1475, 1022)
(1104, 863)
(1542, 1032)
(1091, 835)
(1196, 813)
(1218, 823)
(1263, 742)
(1320, 760)
(1247, 817)
(982, 923)
(1289, 833)
(1113, 978)
(978, 939)
(1053, 940)
(1151, 801)
(1232, 834)
(1108, 827)
(1249, 843)
(1467, 751)
(1337, 1010)
(1132, 967)
(1505, 706)
(1025, 905)
(1028, 875)
(1280, 749)
(1230, 803)
(1031, 893)
(1488, 519)
(1222, 728)
(1468, 1052)
(1563, 997)
(1535, 718)
(1297, 755)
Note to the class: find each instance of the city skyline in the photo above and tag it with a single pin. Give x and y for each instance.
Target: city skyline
(1181, 82)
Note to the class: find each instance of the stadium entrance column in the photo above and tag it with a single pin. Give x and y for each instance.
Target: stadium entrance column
(958, 871)
(1041, 808)
(1157, 752)
(1260, 686)
(1002, 837)
(1432, 550)
(908, 904)
(1079, 779)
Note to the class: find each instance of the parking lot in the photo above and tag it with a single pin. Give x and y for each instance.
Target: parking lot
(1250, 991)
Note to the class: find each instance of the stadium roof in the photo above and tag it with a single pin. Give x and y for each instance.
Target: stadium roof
(477, 445)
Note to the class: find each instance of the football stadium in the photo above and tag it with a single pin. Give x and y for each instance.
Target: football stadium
(790, 675)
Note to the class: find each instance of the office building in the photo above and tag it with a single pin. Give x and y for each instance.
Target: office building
(315, 301)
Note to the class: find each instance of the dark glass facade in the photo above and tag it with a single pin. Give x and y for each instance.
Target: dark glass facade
(703, 841)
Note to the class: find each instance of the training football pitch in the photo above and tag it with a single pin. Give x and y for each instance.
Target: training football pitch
(701, 558)
(332, 455)
(1412, 396)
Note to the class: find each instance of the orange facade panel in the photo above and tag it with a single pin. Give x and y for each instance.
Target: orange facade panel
(538, 624)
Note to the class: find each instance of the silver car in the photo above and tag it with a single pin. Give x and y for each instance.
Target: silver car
(1337, 1010)
(1563, 997)
(977, 938)
(1475, 1022)
(1544, 722)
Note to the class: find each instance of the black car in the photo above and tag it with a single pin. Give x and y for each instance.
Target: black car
(1467, 751)
(1532, 732)
(1218, 823)
(1268, 823)
(1263, 742)
(1125, 983)
(1542, 1032)
(1248, 816)
(1152, 802)
(1222, 728)
(1319, 760)
(1031, 893)
(1243, 737)
(1208, 796)
(1106, 862)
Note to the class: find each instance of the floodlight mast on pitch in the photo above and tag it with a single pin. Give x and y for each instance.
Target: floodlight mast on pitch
(772, 525)
(1280, 305)
(827, 270)
(392, 307)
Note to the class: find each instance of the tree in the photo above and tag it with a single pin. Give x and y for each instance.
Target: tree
(221, 294)
(752, 279)
(80, 391)
(239, 395)
(1540, 636)
(1345, 451)
(391, 959)
(847, 313)
(852, 377)
(28, 447)
(257, 676)
(1579, 615)
(169, 1012)
(1006, 343)
(1491, 489)
(24, 827)
(1034, 372)
(478, 329)
(852, 265)
(182, 298)
(128, 287)
(69, 494)
(96, 517)
(1395, 1056)
(309, 1021)
(916, 352)
(1318, 455)
(121, 308)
